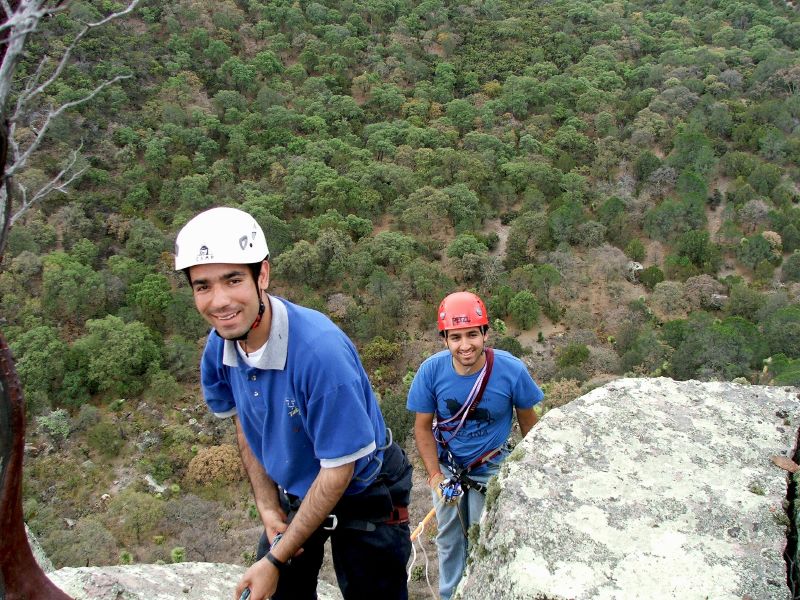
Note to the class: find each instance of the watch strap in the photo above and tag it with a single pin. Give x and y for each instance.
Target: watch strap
(279, 564)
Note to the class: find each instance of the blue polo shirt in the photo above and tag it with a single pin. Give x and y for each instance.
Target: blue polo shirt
(438, 388)
(307, 404)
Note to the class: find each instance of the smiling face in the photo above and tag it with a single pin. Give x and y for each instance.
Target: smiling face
(227, 297)
(466, 347)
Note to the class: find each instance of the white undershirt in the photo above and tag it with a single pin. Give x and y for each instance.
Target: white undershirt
(254, 355)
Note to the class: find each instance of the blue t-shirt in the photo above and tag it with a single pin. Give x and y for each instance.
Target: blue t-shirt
(438, 388)
(309, 403)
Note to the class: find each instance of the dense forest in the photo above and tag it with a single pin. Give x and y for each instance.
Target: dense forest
(393, 151)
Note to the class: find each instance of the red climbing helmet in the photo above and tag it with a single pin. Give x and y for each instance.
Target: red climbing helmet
(462, 310)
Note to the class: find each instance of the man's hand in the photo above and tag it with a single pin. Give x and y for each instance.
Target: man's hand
(261, 578)
(434, 481)
(274, 523)
(447, 491)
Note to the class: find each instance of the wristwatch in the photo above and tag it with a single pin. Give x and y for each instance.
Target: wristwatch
(279, 564)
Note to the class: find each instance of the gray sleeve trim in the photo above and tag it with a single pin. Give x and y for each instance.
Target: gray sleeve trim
(329, 463)
(226, 414)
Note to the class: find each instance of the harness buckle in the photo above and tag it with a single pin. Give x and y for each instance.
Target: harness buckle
(330, 523)
(451, 490)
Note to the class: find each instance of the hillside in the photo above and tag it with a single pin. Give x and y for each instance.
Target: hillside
(393, 151)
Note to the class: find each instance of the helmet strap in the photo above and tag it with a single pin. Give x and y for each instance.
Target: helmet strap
(256, 323)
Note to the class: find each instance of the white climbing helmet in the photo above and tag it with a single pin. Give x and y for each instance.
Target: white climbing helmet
(220, 235)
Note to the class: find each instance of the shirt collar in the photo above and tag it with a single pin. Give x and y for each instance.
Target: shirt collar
(274, 356)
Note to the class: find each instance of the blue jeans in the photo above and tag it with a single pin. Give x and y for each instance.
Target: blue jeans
(453, 522)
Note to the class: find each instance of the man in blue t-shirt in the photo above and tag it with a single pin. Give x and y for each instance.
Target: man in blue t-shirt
(465, 397)
(310, 432)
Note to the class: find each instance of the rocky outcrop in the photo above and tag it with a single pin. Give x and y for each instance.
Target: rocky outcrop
(189, 581)
(644, 488)
(193, 581)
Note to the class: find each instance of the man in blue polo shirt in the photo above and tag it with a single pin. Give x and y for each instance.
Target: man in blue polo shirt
(465, 398)
(310, 432)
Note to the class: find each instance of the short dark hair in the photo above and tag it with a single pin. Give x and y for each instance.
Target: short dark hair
(443, 332)
(255, 271)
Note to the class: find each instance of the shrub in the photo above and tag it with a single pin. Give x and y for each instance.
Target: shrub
(178, 555)
(559, 393)
(512, 345)
(379, 351)
(88, 543)
(602, 360)
(571, 372)
(783, 370)
(104, 438)
(572, 355)
(791, 268)
(133, 516)
(397, 417)
(524, 309)
(87, 416)
(700, 289)
(216, 464)
(635, 250)
(668, 297)
(651, 276)
(55, 425)
(163, 387)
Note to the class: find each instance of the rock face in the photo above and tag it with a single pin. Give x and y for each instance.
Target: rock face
(190, 581)
(644, 488)
(193, 581)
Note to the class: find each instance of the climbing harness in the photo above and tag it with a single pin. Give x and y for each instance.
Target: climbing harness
(450, 490)
(445, 430)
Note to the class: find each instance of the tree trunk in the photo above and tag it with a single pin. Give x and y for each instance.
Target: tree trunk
(21, 578)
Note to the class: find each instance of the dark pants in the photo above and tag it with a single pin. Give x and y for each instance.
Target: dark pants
(369, 555)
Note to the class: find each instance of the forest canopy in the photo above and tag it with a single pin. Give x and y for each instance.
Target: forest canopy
(397, 150)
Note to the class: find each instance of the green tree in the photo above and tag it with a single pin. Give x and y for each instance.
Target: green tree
(782, 331)
(564, 222)
(790, 271)
(39, 356)
(728, 348)
(145, 242)
(692, 150)
(465, 244)
(71, 291)
(572, 355)
(302, 263)
(151, 297)
(754, 249)
(392, 249)
(744, 301)
(651, 276)
(701, 252)
(673, 217)
(635, 250)
(133, 516)
(764, 178)
(524, 309)
(116, 356)
(462, 114)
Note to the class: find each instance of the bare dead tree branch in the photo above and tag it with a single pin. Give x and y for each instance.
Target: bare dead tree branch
(19, 160)
(23, 18)
(59, 183)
